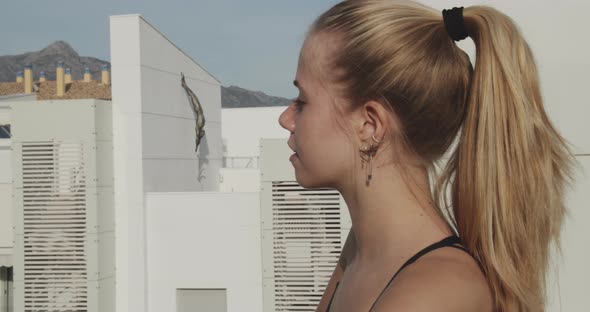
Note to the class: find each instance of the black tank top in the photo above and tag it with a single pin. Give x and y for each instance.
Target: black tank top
(450, 241)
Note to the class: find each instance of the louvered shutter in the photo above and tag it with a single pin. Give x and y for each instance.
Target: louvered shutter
(306, 240)
(54, 226)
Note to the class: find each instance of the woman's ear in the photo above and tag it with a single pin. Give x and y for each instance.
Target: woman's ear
(372, 119)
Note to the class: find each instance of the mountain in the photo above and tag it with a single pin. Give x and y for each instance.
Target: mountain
(232, 97)
(45, 60)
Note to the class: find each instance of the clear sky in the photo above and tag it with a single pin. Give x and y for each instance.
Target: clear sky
(253, 44)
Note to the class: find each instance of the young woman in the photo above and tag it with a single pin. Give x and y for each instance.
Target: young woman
(384, 93)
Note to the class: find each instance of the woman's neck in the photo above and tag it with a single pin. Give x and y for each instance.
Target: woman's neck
(392, 219)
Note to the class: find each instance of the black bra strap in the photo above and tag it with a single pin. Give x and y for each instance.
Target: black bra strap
(450, 241)
(446, 242)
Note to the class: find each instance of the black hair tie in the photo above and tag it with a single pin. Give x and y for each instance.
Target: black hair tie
(454, 23)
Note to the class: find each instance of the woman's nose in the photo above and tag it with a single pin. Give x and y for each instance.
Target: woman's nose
(286, 120)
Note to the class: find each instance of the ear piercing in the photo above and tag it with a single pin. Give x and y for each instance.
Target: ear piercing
(367, 154)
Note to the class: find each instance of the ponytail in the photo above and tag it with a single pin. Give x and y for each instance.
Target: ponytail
(511, 166)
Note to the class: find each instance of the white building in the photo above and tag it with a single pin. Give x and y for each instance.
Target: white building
(107, 206)
(165, 228)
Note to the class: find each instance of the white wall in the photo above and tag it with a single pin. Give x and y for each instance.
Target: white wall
(153, 138)
(568, 283)
(6, 209)
(239, 180)
(243, 128)
(204, 240)
(83, 124)
(17, 98)
(168, 123)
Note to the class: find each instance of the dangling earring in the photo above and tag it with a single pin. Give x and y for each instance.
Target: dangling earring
(367, 154)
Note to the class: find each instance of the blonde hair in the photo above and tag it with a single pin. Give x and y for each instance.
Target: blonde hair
(508, 173)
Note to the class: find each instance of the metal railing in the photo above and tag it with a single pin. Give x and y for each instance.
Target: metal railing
(241, 162)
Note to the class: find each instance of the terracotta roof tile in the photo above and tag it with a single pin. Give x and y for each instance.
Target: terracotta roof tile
(7, 88)
(75, 90)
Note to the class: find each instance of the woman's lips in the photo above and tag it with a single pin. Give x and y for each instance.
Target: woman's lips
(293, 156)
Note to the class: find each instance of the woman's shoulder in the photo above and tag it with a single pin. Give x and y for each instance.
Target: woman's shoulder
(447, 279)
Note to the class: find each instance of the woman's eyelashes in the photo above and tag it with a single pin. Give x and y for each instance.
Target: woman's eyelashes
(298, 103)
